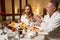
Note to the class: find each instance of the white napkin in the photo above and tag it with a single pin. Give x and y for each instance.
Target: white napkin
(31, 34)
(3, 37)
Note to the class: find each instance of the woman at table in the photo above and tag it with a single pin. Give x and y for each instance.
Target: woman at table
(27, 14)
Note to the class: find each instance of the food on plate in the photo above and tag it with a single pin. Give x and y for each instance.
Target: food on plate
(34, 29)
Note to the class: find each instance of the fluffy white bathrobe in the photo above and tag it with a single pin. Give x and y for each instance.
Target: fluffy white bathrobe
(24, 19)
(50, 23)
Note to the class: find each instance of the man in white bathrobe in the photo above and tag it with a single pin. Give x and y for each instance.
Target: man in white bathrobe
(51, 20)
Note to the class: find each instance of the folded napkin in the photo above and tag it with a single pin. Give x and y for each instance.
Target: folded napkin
(31, 34)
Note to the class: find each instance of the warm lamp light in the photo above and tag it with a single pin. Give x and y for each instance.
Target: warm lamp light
(15, 10)
(36, 11)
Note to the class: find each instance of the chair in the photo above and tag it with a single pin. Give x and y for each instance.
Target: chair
(53, 35)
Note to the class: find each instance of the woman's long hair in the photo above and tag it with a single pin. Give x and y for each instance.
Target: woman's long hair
(30, 13)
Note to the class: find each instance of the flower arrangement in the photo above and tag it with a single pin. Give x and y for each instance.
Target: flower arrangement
(12, 27)
(12, 24)
(23, 26)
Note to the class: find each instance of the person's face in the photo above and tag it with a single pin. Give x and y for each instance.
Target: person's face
(27, 10)
(50, 8)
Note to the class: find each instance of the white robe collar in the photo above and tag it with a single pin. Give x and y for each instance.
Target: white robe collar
(55, 14)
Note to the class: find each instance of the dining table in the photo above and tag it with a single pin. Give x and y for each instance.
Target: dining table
(40, 36)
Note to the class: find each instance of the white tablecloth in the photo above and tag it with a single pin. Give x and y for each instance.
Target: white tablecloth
(40, 36)
(3, 37)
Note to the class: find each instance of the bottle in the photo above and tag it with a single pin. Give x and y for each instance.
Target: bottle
(20, 31)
